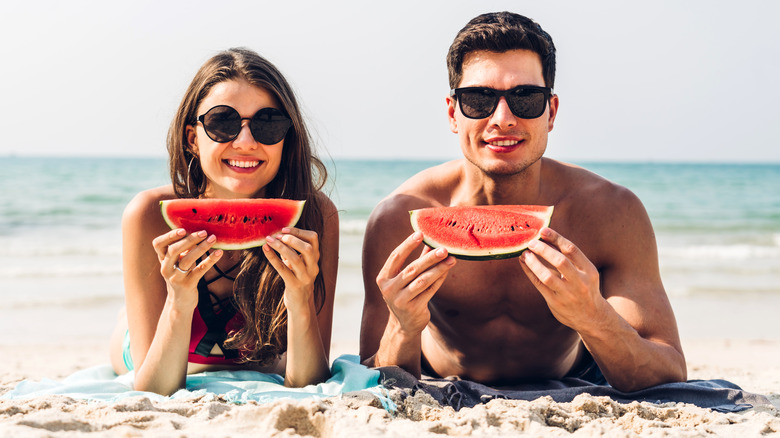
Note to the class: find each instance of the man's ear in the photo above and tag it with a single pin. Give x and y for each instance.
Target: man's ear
(553, 112)
(192, 139)
(451, 108)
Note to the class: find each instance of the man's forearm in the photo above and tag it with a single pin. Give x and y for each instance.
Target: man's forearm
(628, 361)
(398, 348)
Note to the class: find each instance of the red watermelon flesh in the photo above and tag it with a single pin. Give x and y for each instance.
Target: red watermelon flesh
(482, 232)
(237, 223)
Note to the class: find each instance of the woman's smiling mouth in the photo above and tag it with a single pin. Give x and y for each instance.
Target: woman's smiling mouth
(243, 164)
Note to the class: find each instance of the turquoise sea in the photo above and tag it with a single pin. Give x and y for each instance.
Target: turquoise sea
(717, 225)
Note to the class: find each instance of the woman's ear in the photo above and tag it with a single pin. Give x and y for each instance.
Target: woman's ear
(192, 139)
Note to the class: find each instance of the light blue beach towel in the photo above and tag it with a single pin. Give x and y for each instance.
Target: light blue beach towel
(100, 383)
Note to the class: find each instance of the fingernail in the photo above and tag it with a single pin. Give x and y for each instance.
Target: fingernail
(532, 244)
(278, 236)
(181, 232)
(441, 252)
(417, 235)
(286, 230)
(450, 261)
(546, 232)
(201, 234)
(269, 239)
(217, 253)
(212, 239)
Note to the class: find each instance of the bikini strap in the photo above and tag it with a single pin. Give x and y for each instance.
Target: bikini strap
(217, 302)
(222, 274)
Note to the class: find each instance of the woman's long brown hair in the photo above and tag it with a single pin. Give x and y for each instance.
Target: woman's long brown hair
(258, 289)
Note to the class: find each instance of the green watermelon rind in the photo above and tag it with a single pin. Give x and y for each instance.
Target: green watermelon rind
(505, 253)
(234, 246)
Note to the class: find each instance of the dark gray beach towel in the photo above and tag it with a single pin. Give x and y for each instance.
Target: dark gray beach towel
(718, 395)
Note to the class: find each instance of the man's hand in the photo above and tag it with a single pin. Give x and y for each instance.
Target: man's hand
(408, 290)
(565, 277)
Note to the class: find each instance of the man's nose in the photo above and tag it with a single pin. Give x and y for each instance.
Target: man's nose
(503, 116)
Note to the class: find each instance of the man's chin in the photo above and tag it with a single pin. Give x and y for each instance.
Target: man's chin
(501, 169)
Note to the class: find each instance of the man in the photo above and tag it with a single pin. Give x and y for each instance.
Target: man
(587, 299)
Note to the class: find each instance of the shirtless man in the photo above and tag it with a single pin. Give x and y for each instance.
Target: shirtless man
(585, 300)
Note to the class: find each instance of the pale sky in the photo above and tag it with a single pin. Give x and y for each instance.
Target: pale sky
(656, 81)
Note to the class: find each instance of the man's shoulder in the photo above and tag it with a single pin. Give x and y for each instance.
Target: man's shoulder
(602, 217)
(433, 182)
(431, 187)
(595, 203)
(581, 186)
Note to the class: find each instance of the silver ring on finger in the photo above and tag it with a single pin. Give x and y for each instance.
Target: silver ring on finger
(176, 267)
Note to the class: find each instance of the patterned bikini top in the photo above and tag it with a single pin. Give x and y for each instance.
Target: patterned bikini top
(213, 321)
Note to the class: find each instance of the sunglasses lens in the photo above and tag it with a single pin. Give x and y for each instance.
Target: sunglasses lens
(269, 126)
(526, 104)
(222, 123)
(477, 103)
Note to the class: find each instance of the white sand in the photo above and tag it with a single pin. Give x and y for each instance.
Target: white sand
(731, 337)
(752, 364)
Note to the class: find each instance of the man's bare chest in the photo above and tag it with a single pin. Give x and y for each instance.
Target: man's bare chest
(485, 290)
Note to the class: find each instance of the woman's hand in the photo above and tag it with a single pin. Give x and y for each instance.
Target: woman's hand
(178, 254)
(295, 253)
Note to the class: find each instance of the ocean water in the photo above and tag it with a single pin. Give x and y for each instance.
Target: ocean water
(717, 225)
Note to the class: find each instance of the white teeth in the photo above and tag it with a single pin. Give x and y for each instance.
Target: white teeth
(244, 164)
(504, 143)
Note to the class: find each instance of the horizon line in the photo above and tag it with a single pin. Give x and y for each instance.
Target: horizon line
(418, 159)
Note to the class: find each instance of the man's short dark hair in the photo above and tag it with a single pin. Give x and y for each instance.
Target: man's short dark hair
(501, 32)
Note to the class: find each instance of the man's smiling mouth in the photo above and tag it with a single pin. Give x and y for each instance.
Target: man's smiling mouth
(503, 143)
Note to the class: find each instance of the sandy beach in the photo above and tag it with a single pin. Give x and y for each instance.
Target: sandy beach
(753, 364)
(724, 337)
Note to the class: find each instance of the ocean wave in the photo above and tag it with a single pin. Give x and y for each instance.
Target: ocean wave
(678, 291)
(353, 226)
(64, 303)
(60, 271)
(63, 241)
(36, 251)
(721, 252)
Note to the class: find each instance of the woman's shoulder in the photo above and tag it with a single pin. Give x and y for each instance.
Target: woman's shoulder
(327, 209)
(147, 203)
(326, 205)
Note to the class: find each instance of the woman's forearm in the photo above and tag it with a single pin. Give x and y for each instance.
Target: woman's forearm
(307, 360)
(164, 368)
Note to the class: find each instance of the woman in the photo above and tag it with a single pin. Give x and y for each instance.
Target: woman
(238, 133)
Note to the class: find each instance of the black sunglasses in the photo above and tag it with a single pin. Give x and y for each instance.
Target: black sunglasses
(525, 101)
(223, 123)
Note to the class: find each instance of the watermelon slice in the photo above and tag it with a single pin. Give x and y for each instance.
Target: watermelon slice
(237, 223)
(484, 232)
